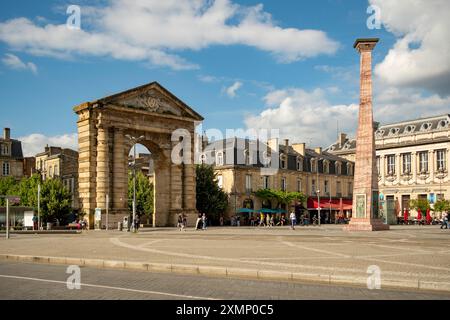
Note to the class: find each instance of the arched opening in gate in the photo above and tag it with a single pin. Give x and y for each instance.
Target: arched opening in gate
(141, 184)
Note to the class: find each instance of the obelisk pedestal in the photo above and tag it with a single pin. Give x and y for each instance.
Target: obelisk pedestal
(365, 187)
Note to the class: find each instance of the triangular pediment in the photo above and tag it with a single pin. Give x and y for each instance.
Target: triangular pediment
(153, 98)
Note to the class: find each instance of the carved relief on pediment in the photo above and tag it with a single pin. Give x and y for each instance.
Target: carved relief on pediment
(152, 101)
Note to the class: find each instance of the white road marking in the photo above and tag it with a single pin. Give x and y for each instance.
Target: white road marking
(117, 242)
(108, 287)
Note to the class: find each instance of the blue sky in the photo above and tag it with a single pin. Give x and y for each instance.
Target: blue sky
(43, 75)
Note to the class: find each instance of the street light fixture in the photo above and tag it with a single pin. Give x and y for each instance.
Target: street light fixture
(318, 190)
(134, 140)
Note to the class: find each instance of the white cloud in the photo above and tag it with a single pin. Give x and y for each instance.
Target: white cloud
(14, 62)
(231, 91)
(308, 116)
(154, 31)
(36, 142)
(421, 55)
(208, 79)
(304, 116)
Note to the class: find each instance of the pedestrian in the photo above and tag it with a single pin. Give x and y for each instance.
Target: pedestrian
(204, 221)
(199, 220)
(293, 218)
(272, 221)
(261, 220)
(137, 223)
(221, 221)
(268, 221)
(238, 221)
(180, 222)
(184, 223)
(444, 220)
(35, 222)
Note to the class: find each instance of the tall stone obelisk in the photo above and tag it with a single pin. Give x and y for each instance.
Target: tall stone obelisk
(365, 187)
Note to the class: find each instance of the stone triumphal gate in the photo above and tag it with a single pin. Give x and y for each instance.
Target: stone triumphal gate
(104, 127)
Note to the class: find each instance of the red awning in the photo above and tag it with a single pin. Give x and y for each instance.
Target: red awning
(326, 204)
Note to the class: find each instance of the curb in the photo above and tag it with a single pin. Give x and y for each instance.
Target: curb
(251, 274)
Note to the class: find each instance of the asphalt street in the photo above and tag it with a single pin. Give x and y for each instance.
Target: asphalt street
(39, 281)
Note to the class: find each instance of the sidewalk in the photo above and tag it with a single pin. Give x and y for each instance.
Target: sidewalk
(407, 256)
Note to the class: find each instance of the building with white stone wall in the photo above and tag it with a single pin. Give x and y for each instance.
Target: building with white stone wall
(412, 160)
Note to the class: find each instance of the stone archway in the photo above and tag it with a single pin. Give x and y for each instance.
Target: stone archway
(150, 111)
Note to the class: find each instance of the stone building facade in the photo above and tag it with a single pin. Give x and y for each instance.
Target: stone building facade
(11, 156)
(240, 172)
(60, 163)
(412, 161)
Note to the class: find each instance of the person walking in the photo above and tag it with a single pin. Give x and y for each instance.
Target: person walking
(204, 221)
(35, 222)
(199, 220)
(180, 222)
(184, 222)
(293, 218)
(444, 221)
(272, 223)
(261, 220)
(268, 221)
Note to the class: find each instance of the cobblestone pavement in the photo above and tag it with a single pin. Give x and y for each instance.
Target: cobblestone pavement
(404, 252)
(35, 281)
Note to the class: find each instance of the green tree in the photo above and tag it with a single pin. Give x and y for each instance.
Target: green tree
(28, 189)
(144, 194)
(422, 204)
(210, 198)
(55, 200)
(8, 187)
(281, 197)
(442, 205)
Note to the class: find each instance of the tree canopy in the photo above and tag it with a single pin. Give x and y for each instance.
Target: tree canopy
(281, 197)
(144, 194)
(211, 199)
(55, 198)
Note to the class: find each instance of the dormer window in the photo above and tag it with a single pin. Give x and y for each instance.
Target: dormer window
(425, 127)
(219, 159)
(326, 167)
(248, 159)
(314, 165)
(338, 167)
(5, 150)
(443, 124)
(379, 133)
(283, 161)
(393, 131)
(409, 128)
(299, 164)
(202, 159)
(349, 169)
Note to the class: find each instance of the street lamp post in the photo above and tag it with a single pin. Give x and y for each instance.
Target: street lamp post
(39, 206)
(134, 140)
(318, 191)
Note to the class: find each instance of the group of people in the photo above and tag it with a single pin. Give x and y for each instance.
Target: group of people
(201, 223)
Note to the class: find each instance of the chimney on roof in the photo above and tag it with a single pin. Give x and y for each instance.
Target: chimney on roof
(342, 139)
(6, 133)
(318, 150)
(299, 148)
(286, 146)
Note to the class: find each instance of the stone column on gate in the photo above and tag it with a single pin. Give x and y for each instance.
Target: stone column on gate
(119, 193)
(365, 190)
(102, 166)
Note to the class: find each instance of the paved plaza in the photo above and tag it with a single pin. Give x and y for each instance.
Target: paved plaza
(405, 253)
